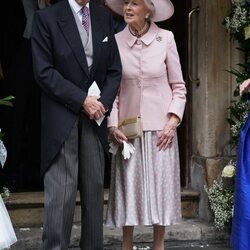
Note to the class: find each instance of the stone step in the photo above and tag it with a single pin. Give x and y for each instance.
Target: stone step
(26, 208)
(189, 233)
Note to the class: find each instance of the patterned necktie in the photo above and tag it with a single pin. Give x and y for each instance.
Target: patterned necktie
(85, 18)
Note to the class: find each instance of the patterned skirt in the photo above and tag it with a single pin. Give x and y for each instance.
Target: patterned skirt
(145, 190)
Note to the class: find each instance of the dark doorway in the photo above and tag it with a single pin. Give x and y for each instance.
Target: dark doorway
(21, 122)
(178, 24)
(21, 172)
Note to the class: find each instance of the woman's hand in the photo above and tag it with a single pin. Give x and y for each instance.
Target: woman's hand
(117, 135)
(244, 86)
(167, 134)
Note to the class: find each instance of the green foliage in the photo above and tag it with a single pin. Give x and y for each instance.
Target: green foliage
(238, 114)
(1, 135)
(238, 25)
(238, 110)
(7, 101)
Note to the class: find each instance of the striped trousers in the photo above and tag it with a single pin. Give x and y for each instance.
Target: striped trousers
(80, 163)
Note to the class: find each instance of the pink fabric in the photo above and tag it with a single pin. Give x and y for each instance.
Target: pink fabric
(152, 84)
(145, 189)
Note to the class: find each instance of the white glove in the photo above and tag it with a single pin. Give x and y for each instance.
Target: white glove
(3, 153)
(128, 149)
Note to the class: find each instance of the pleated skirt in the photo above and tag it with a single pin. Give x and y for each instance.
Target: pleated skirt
(145, 190)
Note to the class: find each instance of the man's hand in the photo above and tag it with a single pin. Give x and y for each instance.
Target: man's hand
(93, 107)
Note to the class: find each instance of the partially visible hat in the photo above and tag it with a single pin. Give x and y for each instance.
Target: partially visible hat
(164, 9)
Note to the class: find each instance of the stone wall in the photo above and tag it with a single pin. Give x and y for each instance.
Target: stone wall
(215, 53)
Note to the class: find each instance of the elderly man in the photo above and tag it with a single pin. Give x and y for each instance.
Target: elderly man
(74, 48)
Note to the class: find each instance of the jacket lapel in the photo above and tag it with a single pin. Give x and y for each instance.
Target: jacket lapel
(69, 28)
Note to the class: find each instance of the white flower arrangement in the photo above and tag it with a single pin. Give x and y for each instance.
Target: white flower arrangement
(228, 171)
(3, 152)
(221, 196)
(238, 2)
(5, 194)
(238, 114)
(238, 20)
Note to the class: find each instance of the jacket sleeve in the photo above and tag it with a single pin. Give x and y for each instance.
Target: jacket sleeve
(114, 70)
(114, 117)
(175, 79)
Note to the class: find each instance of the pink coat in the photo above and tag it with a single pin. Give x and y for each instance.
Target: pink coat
(152, 84)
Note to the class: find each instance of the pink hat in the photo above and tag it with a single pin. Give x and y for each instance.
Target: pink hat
(164, 9)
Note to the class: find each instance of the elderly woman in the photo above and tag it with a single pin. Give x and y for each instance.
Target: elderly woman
(145, 190)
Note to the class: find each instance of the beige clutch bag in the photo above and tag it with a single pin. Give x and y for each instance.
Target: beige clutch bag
(131, 127)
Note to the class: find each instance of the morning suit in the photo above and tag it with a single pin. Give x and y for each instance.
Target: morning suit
(72, 144)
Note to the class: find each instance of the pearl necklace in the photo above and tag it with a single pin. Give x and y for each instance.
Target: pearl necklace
(141, 32)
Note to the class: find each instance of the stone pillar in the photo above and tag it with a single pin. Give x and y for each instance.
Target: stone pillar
(210, 100)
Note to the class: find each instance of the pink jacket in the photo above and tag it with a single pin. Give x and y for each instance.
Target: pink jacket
(152, 85)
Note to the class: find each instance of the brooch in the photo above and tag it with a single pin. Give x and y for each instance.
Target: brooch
(158, 38)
